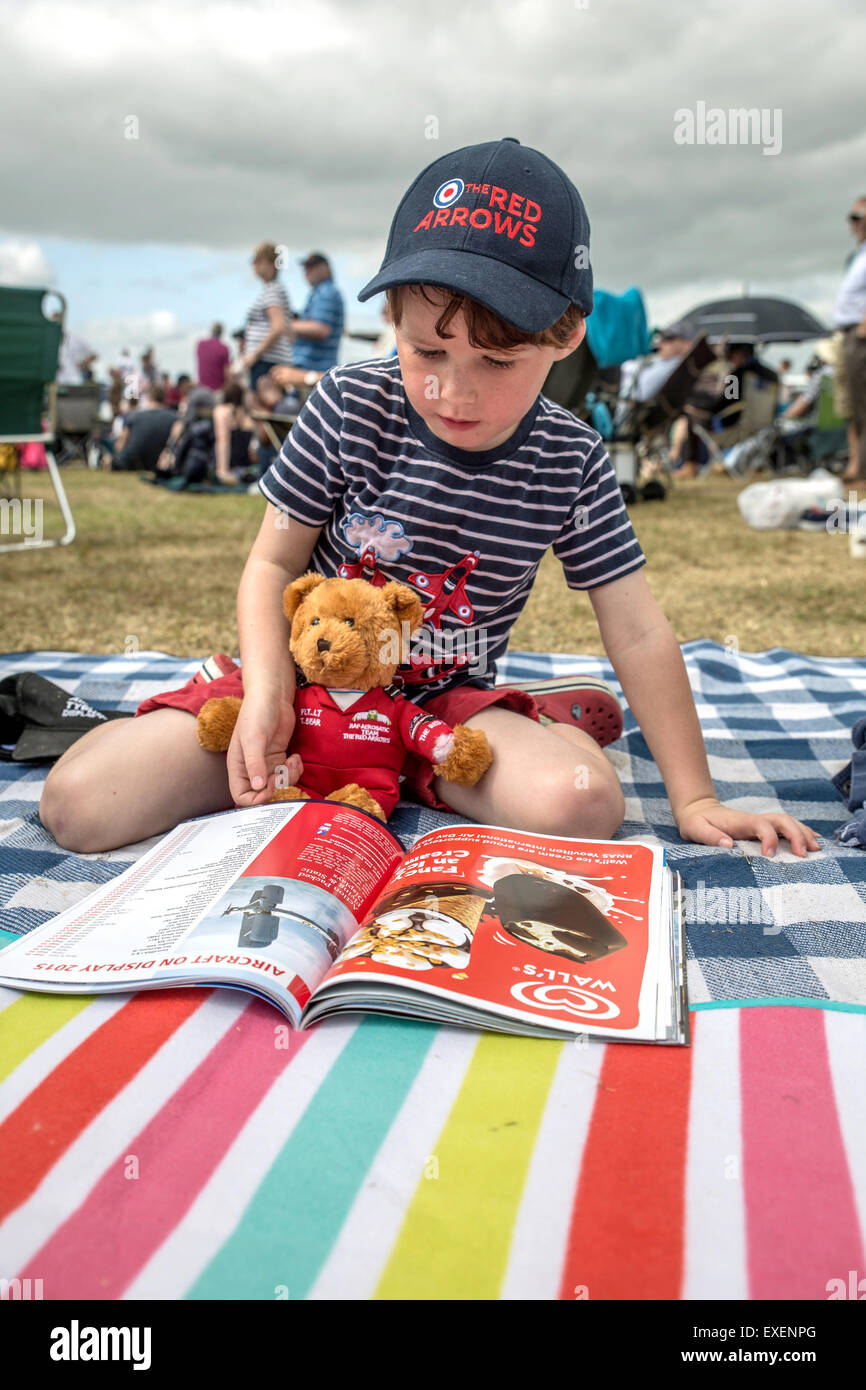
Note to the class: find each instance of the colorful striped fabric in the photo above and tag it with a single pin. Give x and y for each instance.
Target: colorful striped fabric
(180, 1144)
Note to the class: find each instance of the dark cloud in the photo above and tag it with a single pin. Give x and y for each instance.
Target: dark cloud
(304, 124)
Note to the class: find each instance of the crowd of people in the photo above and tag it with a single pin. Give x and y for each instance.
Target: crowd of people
(206, 427)
(210, 425)
(716, 400)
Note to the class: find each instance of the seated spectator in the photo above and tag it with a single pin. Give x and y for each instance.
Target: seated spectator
(144, 433)
(74, 359)
(272, 399)
(806, 403)
(213, 359)
(673, 344)
(235, 444)
(316, 334)
(720, 410)
(198, 405)
(177, 394)
(193, 456)
(742, 362)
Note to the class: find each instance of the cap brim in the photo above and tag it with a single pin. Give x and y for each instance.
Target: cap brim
(516, 297)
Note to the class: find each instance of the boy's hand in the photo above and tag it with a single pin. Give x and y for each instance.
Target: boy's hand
(258, 748)
(709, 822)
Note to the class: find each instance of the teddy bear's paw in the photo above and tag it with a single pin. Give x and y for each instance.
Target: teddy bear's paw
(216, 722)
(353, 795)
(290, 794)
(469, 759)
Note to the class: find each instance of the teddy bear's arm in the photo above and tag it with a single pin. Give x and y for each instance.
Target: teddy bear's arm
(459, 755)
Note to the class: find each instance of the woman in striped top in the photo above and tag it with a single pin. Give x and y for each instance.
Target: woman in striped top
(268, 334)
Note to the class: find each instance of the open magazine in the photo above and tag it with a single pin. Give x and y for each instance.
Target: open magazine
(319, 909)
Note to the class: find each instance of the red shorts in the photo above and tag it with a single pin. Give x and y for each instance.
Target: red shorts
(454, 707)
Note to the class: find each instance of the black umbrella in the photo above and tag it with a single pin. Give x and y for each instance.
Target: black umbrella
(751, 320)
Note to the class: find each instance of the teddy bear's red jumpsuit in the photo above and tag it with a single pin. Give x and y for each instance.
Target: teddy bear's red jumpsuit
(365, 743)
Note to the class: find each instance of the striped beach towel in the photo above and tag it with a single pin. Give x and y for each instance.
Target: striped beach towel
(163, 1146)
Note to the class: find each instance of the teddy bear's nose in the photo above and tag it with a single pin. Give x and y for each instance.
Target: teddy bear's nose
(322, 645)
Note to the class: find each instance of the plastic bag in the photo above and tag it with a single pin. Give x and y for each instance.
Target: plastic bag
(778, 506)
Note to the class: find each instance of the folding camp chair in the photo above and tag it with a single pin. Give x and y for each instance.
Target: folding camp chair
(29, 346)
(276, 427)
(754, 441)
(640, 449)
(78, 422)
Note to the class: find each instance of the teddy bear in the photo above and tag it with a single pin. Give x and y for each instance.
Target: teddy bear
(352, 732)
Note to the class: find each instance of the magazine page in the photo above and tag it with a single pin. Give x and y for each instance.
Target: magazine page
(564, 934)
(263, 898)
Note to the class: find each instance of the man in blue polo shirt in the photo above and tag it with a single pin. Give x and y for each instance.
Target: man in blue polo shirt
(316, 334)
(320, 327)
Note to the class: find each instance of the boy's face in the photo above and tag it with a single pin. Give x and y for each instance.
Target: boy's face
(473, 398)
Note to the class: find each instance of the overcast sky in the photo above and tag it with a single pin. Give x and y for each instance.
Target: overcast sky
(303, 123)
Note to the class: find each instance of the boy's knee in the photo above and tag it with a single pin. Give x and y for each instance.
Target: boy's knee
(65, 810)
(609, 808)
(585, 799)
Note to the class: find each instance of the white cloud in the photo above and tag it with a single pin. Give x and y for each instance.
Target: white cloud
(173, 343)
(23, 263)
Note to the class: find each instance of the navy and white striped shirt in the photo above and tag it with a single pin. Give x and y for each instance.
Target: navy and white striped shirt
(466, 529)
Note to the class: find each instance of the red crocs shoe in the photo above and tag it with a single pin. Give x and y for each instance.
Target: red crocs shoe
(213, 668)
(585, 701)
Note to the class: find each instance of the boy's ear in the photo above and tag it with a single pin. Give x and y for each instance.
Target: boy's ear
(575, 338)
(404, 603)
(295, 593)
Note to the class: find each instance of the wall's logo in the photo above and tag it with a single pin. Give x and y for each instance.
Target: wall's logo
(567, 998)
(448, 193)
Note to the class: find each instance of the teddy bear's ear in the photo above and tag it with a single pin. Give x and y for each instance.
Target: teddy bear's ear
(405, 603)
(295, 593)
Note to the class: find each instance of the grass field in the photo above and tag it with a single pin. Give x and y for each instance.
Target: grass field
(153, 569)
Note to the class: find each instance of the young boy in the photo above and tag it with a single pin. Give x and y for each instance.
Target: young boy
(446, 469)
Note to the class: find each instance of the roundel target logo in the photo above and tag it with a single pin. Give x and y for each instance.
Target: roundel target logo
(448, 193)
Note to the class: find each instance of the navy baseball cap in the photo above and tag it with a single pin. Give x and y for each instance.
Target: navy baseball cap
(499, 223)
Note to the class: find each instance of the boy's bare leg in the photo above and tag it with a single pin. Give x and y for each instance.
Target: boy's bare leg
(535, 783)
(130, 779)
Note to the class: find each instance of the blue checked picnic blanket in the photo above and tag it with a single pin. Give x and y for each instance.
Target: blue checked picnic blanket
(777, 725)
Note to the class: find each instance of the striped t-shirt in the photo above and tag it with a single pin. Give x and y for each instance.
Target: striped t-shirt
(258, 324)
(465, 529)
